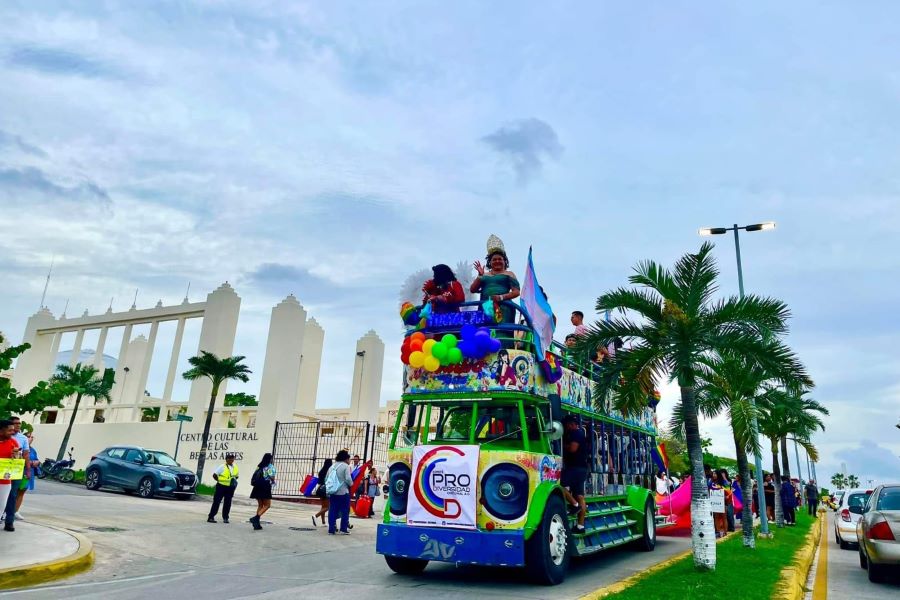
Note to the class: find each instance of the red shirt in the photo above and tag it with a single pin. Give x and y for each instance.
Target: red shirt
(6, 451)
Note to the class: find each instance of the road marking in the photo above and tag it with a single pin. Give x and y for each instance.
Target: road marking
(820, 589)
(94, 583)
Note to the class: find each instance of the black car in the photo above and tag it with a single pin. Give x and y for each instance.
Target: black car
(134, 469)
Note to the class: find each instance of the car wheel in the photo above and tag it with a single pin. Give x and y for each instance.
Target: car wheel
(547, 552)
(863, 563)
(837, 538)
(145, 487)
(405, 566)
(92, 480)
(844, 545)
(876, 572)
(648, 542)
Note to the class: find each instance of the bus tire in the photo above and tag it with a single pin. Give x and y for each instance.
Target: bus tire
(405, 566)
(547, 552)
(648, 541)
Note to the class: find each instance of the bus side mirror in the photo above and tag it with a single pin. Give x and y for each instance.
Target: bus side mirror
(555, 432)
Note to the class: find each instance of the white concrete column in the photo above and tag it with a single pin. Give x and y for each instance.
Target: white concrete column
(368, 365)
(54, 352)
(313, 342)
(120, 365)
(281, 370)
(173, 361)
(37, 362)
(131, 392)
(98, 352)
(148, 358)
(216, 336)
(76, 349)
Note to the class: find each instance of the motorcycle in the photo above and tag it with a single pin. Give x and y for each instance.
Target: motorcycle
(58, 469)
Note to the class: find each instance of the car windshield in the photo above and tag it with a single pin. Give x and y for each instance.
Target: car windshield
(155, 457)
(889, 499)
(857, 500)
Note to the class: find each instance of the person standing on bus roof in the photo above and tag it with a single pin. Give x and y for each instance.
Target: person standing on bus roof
(577, 319)
(575, 469)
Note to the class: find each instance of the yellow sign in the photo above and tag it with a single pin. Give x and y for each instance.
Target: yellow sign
(12, 468)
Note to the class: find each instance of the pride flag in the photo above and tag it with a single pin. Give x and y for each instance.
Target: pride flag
(660, 457)
(535, 302)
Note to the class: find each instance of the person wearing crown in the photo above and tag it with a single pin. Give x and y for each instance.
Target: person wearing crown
(497, 282)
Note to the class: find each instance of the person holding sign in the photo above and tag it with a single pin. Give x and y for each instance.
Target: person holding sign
(11, 464)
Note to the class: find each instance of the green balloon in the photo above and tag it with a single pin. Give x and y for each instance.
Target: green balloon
(449, 340)
(454, 356)
(439, 351)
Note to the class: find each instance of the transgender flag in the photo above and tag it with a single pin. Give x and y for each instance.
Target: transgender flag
(535, 302)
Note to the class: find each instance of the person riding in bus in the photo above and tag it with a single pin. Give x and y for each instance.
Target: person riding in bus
(575, 468)
(497, 282)
(443, 291)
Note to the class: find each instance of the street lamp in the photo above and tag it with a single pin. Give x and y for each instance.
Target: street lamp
(754, 424)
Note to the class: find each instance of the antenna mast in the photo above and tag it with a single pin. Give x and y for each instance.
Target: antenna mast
(47, 283)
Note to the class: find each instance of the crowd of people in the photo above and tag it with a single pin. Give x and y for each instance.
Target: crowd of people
(16, 445)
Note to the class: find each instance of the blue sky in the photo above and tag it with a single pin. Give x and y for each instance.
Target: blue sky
(330, 149)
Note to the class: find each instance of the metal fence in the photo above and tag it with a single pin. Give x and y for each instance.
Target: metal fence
(300, 449)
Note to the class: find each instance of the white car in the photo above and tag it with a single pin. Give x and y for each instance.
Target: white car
(848, 513)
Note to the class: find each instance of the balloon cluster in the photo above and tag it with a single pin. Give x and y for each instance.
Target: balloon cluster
(421, 352)
(476, 342)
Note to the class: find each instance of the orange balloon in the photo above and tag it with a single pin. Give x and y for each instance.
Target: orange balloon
(417, 336)
(416, 344)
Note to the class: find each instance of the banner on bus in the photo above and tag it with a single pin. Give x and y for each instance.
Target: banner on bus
(444, 486)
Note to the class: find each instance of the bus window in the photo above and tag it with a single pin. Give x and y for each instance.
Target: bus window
(454, 423)
(497, 422)
(408, 425)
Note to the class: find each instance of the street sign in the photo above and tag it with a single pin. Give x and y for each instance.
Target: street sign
(187, 418)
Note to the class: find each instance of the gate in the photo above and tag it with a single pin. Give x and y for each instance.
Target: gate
(300, 450)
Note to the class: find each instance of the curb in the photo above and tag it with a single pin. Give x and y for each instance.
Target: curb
(38, 573)
(792, 584)
(626, 583)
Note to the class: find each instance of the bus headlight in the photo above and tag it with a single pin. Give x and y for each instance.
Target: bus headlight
(399, 476)
(504, 491)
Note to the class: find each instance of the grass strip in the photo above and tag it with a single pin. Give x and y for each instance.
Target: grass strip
(757, 572)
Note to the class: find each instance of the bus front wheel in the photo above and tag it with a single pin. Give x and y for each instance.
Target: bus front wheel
(547, 552)
(648, 540)
(405, 566)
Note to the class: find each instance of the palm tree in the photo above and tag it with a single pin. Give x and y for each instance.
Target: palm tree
(680, 327)
(731, 383)
(839, 480)
(852, 481)
(80, 380)
(217, 370)
(784, 412)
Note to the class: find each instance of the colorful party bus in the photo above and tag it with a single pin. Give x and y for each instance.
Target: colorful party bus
(475, 456)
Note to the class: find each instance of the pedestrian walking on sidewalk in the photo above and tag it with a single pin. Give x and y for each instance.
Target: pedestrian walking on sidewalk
(262, 482)
(812, 497)
(25, 452)
(788, 500)
(9, 448)
(321, 494)
(337, 484)
(226, 476)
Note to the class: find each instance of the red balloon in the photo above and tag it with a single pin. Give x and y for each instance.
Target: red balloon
(416, 344)
(404, 357)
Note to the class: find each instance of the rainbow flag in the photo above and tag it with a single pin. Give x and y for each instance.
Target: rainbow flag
(660, 457)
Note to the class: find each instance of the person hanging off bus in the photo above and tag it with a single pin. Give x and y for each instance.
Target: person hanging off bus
(575, 468)
(497, 282)
(443, 291)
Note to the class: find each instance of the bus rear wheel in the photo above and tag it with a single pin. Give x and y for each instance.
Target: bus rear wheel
(405, 566)
(648, 541)
(547, 552)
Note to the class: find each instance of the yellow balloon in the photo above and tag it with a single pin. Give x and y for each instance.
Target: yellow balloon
(432, 364)
(426, 347)
(417, 359)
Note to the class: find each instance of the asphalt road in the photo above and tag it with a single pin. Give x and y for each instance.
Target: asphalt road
(165, 549)
(846, 579)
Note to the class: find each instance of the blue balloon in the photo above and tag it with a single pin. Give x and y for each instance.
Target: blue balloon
(467, 347)
(482, 341)
(468, 331)
(495, 345)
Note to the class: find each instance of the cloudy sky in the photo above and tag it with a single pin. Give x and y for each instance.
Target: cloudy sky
(329, 149)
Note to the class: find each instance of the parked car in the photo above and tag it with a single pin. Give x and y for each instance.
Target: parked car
(836, 499)
(134, 469)
(849, 511)
(878, 532)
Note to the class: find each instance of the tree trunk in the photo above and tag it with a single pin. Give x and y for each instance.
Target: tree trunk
(746, 491)
(703, 533)
(65, 440)
(204, 440)
(785, 459)
(776, 477)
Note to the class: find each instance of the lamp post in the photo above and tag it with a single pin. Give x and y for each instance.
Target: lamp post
(754, 424)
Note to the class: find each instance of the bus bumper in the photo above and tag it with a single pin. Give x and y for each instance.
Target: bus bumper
(459, 546)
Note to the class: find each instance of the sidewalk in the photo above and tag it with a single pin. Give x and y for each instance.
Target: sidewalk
(47, 554)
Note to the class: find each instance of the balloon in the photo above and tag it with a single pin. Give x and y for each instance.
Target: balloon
(467, 347)
(404, 357)
(439, 351)
(495, 345)
(427, 346)
(416, 344)
(418, 336)
(468, 331)
(417, 359)
(454, 356)
(432, 364)
(482, 341)
(449, 340)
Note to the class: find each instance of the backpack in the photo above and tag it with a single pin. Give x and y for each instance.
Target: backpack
(332, 483)
(257, 477)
